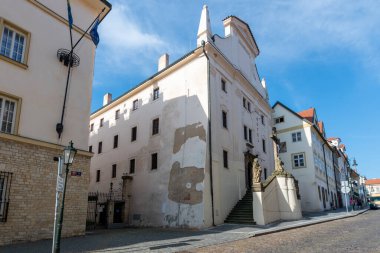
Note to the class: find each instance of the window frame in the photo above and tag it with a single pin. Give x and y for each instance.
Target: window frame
(101, 122)
(135, 105)
(117, 114)
(27, 37)
(264, 145)
(115, 141)
(114, 168)
(279, 120)
(90, 148)
(298, 155)
(91, 127)
(250, 135)
(5, 188)
(296, 137)
(245, 130)
(156, 93)
(134, 134)
(16, 112)
(156, 126)
(223, 85)
(100, 147)
(225, 159)
(154, 161)
(224, 119)
(97, 177)
(130, 166)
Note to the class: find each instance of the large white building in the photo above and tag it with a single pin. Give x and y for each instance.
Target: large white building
(32, 93)
(307, 155)
(184, 138)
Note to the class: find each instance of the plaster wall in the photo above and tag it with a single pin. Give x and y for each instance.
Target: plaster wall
(41, 85)
(175, 190)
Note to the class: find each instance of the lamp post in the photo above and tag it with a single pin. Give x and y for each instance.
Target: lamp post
(68, 157)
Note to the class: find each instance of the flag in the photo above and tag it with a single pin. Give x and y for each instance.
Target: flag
(94, 33)
(69, 15)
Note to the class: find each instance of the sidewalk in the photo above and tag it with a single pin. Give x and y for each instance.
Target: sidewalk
(171, 240)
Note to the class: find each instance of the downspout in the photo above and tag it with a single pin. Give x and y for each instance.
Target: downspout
(209, 131)
(324, 158)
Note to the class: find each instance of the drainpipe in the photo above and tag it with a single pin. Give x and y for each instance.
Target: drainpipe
(336, 182)
(324, 158)
(209, 131)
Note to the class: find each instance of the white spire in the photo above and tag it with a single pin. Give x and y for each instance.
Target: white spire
(204, 30)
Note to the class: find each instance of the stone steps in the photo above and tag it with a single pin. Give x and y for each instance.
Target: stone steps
(242, 213)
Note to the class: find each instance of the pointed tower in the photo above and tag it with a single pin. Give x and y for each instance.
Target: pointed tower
(204, 30)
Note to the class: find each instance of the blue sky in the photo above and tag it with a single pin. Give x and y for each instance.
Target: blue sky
(323, 54)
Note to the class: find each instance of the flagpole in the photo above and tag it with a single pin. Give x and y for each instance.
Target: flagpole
(88, 28)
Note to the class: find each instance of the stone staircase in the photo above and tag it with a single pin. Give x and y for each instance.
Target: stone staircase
(242, 213)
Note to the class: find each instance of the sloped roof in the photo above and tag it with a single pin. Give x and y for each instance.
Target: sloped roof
(373, 181)
(308, 114)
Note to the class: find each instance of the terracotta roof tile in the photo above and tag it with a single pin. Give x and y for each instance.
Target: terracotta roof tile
(373, 181)
(308, 114)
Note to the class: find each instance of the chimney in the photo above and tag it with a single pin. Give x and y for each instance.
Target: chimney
(107, 99)
(163, 62)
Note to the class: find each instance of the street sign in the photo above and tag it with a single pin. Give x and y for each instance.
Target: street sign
(60, 184)
(345, 189)
(344, 183)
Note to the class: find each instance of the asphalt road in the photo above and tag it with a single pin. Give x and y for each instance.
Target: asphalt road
(357, 234)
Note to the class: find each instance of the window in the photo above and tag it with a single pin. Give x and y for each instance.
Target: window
(223, 85)
(100, 146)
(265, 173)
(5, 185)
(113, 170)
(155, 126)
(135, 105)
(224, 119)
(244, 103)
(7, 115)
(245, 133)
(92, 127)
(298, 160)
(134, 133)
(97, 175)
(279, 120)
(319, 192)
(250, 135)
(117, 114)
(156, 93)
(282, 147)
(13, 43)
(225, 159)
(249, 106)
(264, 146)
(132, 164)
(115, 141)
(101, 122)
(262, 120)
(296, 136)
(154, 161)
(90, 149)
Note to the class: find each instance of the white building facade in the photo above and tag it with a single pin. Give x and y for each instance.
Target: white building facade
(307, 156)
(185, 136)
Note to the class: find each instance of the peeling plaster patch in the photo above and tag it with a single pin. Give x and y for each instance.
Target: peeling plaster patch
(182, 134)
(179, 178)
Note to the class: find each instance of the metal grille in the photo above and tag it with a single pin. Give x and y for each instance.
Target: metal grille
(5, 186)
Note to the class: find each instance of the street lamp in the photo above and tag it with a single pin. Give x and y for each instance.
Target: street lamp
(68, 158)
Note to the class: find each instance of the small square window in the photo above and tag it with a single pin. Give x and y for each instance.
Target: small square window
(13, 44)
(115, 141)
(117, 114)
(113, 170)
(298, 160)
(132, 164)
(224, 119)
(100, 147)
(101, 122)
(223, 85)
(135, 104)
(264, 146)
(225, 159)
(279, 120)
(296, 137)
(97, 175)
(154, 161)
(155, 126)
(156, 93)
(134, 133)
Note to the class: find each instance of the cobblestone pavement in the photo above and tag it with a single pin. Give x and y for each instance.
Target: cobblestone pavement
(357, 234)
(170, 240)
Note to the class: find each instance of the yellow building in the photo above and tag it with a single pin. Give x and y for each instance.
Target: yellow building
(32, 98)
